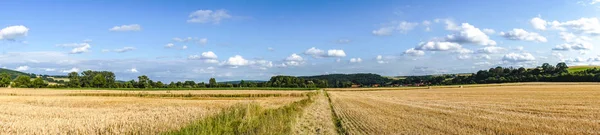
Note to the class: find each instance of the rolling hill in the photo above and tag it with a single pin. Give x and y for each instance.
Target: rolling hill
(580, 68)
(13, 74)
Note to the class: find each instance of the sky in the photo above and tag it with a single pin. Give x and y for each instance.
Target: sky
(254, 40)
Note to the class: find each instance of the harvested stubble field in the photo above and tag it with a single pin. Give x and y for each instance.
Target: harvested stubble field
(524, 109)
(43, 111)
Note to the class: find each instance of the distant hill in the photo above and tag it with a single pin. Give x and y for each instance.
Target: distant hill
(580, 68)
(13, 74)
(360, 78)
(238, 82)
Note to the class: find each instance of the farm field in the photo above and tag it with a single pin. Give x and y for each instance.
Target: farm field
(45, 111)
(520, 109)
(581, 68)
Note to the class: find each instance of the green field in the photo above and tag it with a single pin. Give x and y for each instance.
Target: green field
(581, 68)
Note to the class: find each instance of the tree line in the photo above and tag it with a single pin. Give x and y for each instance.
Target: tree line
(106, 79)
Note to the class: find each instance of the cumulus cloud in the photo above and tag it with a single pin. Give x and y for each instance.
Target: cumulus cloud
(237, 60)
(380, 59)
(131, 27)
(208, 57)
(292, 60)
(538, 23)
(132, 70)
(84, 47)
(463, 51)
(318, 53)
(385, 31)
(49, 69)
(468, 33)
(573, 42)
(582, 25)
(74, 69)
(125, 49)
(184, 47)
(13, 32)
(437, 46)
(518, 57)
(414, 52)
(22, 68)
(426, 23)
(355, 60)
(169, 45)
(206, 16)
(520, 34)
(490, 50)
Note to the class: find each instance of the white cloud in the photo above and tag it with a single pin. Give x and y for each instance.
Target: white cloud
(437, 46)
(81, 49)
(490, 50)
(336, 53)
(294, 57)
(206, 16)
(450, 25)
(518, 57)
(125, 49)
(469, 34)
(105, 50)
(380, 60)
(270, 49)
(237, 60)
(318, 53)
(483, 57)
(582, 25)
(404, 26)
(518, 48)
(207, 57)
(22, 68)
(74, 69)
(520, 34)
(413, 52)
(573, 46)
(132, 70)
(385, 31)
(489, 31)
(169, 45)
(538, 23)
(13, 32)
(132, 27)
(184, 47)
(49, 69)
(355, 60)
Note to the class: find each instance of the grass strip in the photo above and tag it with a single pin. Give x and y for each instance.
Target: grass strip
(337, 121)
(247, 119)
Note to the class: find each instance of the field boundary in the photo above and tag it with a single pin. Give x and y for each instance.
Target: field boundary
(337, 121)
(248, 119)
(459, 86)
(183, 89)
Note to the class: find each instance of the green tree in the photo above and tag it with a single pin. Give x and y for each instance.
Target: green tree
(4, 80)
(562, 68)
(39, 83)
(212, 82)
(144, 81)
(99, 81)
(159, 84)
(74, 80)
(22, 81)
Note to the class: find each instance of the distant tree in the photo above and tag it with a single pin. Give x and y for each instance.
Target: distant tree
(144, 82)
(159, 84)
(99, 81)
(74, 80)
(4, 80)
(562, 68)
(39, 83)
(22, 81)
(212, 82)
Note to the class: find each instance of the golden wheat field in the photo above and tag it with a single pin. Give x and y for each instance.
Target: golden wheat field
(519, 109)
(42, 111)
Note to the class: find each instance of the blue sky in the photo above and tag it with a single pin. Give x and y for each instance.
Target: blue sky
(232, 40)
